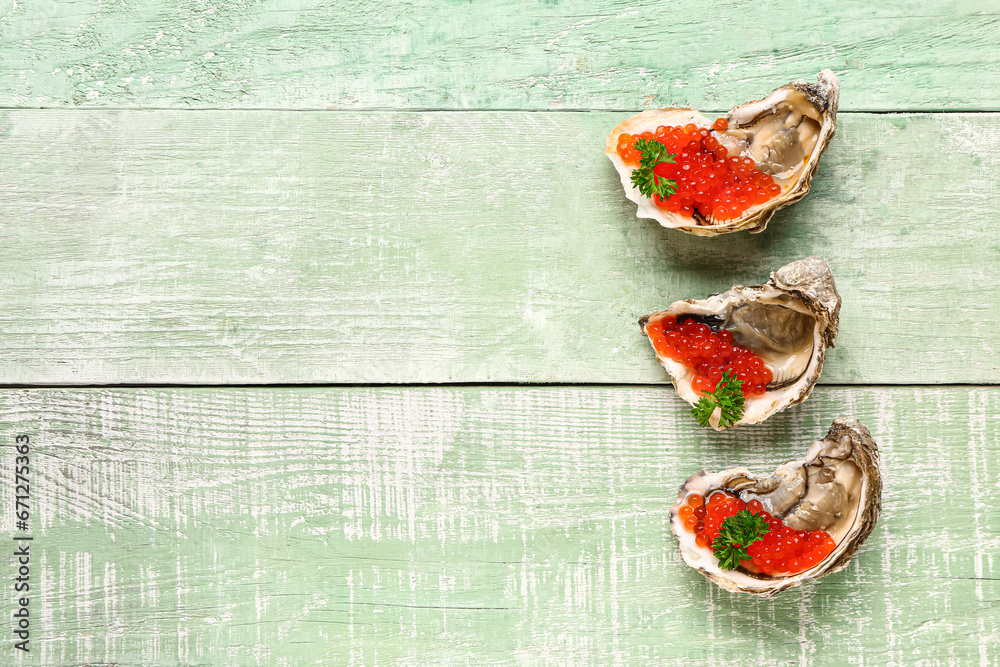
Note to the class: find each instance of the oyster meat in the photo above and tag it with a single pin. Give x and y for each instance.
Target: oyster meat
(788, 322)
(784, 133)
(835, 488)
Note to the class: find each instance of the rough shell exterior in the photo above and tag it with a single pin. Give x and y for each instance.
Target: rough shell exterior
(824, 95)
(811, 280)
(864, 453)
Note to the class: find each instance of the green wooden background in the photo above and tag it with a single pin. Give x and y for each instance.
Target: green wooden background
(322, 316)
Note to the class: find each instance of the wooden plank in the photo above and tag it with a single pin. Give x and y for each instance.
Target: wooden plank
(289, 247)
(507, 54)
(477, 525)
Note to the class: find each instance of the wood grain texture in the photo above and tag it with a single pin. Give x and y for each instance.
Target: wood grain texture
(479, 526)
(506, 54)
(317, 247)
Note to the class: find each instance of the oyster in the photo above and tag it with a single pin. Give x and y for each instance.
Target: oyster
(788, 322)
(836, 488)
(785, 133)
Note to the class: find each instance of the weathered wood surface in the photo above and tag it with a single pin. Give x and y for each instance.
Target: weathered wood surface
(471, 525)
(506, 54)
(478, 525)
(288, 247)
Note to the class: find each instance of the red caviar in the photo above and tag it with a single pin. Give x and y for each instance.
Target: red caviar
(783, 551)
(709, 354)
(708, 180)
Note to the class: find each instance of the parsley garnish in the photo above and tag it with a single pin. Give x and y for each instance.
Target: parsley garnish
(728, 396)
(652, 153)
(736, 534)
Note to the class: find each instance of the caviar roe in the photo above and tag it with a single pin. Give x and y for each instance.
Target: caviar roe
(783, 551)
(708, 180)
(709, 354)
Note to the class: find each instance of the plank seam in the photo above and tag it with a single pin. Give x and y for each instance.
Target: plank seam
(439, 385)
(422, 110)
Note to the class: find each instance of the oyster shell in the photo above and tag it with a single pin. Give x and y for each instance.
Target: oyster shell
(836, 487)
(788, 322)
(785, 133)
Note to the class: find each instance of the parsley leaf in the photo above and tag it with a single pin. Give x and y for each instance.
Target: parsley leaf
(736, 534)
(652, 153)
(728, 396)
